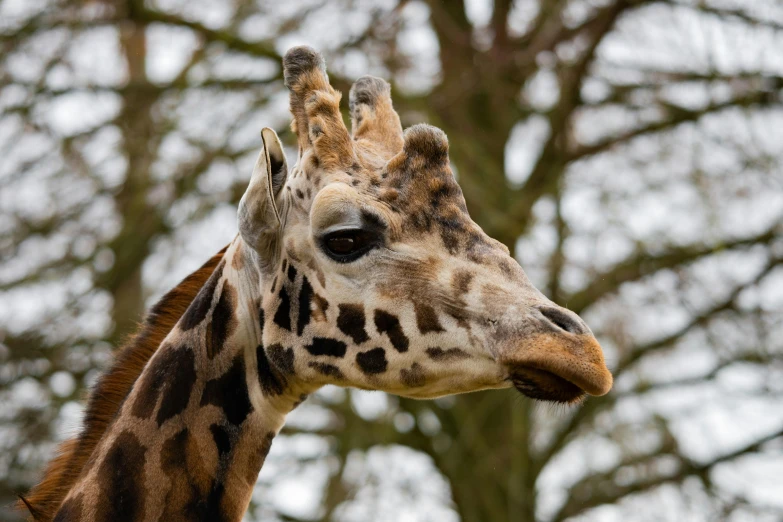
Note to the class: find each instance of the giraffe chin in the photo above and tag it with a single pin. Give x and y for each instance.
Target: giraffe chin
(546, 386)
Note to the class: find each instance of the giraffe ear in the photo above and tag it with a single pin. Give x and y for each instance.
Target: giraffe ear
(259, 217)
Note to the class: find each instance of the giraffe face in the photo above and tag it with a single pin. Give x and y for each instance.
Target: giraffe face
(374, 274)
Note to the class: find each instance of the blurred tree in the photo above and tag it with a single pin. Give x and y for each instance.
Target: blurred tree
(628, 152)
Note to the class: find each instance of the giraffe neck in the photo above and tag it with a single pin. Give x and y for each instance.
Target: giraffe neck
(191, 437)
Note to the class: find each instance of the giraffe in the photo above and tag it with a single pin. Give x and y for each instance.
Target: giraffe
(359, 266)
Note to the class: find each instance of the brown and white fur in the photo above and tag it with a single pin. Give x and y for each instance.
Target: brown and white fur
(423, 305)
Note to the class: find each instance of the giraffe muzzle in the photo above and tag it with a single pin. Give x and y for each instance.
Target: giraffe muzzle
(562, 363)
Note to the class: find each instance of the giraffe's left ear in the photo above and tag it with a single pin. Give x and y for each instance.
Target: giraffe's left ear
(259, 217)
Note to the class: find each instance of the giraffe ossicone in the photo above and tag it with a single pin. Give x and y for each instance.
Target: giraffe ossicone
(358, 266)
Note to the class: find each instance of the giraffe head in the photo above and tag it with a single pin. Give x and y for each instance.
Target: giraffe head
(373, 274)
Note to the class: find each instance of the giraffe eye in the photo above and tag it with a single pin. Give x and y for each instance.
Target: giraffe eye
(345, 246)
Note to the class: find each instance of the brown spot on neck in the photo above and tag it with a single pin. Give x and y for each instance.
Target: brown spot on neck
(223, 322)
(111, 390)
(121, 481)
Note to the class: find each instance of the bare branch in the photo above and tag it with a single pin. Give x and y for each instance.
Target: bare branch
(140, 13)
(644, 263)
(551, 164)
(727, 304)
(499, 25)
(678, 116)
(736, 14)
(752, 358)
(603, 488)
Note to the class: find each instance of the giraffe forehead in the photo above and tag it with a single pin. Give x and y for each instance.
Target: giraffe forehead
(416, 194)
(402, 177)
(435, 192)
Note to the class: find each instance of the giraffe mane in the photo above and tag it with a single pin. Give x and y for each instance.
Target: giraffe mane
(109, 392)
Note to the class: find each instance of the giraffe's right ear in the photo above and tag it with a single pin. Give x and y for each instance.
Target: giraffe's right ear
(259, 217)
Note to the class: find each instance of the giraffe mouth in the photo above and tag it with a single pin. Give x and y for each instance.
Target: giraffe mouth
(543, 385)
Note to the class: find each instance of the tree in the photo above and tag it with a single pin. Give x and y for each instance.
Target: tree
(627, 151)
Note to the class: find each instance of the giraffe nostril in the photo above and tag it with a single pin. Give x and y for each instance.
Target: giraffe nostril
(562, 319)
